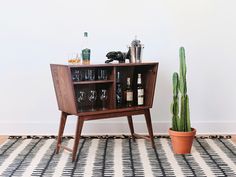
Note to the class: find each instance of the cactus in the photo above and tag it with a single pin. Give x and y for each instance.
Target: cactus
(180, 122)
(175, 103)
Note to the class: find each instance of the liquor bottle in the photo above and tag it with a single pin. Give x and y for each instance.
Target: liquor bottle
(140, 91)
(129, 94)
(85, 50)
(119, 98)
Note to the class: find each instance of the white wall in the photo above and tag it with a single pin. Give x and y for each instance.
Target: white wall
(34, 34)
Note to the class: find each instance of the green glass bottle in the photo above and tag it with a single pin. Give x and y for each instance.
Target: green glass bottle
(85, 51)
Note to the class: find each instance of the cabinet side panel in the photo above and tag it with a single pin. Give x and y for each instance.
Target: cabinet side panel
(151, 84)
(63, 88)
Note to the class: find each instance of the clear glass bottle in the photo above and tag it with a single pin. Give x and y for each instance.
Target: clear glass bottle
(129, 94)
(119, 97)
(85, 50)
(140, 91)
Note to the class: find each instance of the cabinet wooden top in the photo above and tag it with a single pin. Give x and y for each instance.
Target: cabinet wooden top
(108, 64)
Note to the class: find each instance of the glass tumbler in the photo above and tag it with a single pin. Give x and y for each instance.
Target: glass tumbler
(102, 74)
(79, 75)
(90, 74)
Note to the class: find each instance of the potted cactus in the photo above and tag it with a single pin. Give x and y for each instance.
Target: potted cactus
(181, 133)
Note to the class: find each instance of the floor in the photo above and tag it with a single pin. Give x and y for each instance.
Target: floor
(3, 138)
(234, 139)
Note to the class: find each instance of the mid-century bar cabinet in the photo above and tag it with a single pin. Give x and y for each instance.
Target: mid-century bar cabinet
(67, 90)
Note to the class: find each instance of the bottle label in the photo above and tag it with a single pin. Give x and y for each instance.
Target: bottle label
(140, 96)
(128, 81)
(129, 96)
(86, 54)
(139, 81)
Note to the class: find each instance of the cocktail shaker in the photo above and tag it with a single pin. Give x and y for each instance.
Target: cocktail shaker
(136, 50)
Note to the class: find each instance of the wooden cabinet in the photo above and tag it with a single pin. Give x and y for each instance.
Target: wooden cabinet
(68, 82)
(67, 90)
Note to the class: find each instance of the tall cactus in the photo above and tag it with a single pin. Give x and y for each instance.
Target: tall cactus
(182, 122)
(175, 103)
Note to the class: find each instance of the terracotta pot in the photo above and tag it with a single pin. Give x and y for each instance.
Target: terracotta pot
(182, 141)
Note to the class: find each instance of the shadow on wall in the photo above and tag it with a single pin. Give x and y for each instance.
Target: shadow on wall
(163, 97)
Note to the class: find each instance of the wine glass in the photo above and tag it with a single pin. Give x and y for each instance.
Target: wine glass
(103, 98)
(92, 97)
(81, 99)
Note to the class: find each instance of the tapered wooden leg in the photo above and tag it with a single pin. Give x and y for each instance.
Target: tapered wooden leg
(61, 130)
(131, 126)
(79, 127)
(149, 126)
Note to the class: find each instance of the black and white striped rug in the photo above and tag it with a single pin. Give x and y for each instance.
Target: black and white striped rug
(112, 156)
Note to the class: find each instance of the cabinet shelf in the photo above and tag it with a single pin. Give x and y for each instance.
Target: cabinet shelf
(93, 82)
(123, 109)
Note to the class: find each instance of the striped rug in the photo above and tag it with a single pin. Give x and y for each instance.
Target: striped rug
(116, 156)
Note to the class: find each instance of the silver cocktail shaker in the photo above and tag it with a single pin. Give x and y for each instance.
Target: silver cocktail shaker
(136, 50)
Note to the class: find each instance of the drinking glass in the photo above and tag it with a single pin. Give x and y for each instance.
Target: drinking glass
(89, 74)
(92, 97)
(74, 58)
(102, 74)
(77, 75)
(86, 75)
(80, 75)
(74, 76)
(81, 99)
(103, 98)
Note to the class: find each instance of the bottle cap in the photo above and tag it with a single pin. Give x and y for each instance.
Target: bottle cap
(85, 34)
